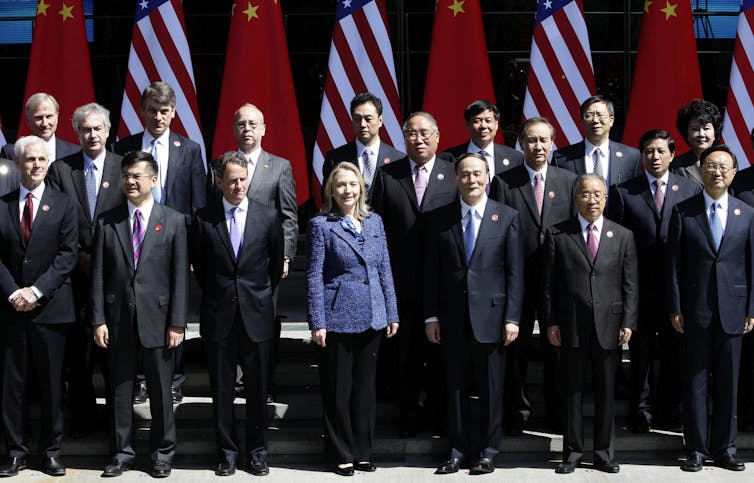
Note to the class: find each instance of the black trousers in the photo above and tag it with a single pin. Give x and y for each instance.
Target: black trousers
(158, 364)
(348, 364)
(46, 345)
(576, 363)
(253, 357)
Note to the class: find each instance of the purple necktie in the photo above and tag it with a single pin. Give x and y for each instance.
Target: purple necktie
(539, 192)
(420, 183)
(235, 233)
(591, 242)
(491, 173)
(137, 236)
(659, 196)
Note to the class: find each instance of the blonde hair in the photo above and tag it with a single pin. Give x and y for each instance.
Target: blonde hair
(328, 203)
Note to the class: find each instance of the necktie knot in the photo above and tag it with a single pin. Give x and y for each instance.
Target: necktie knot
(420, 182)
(469, 237)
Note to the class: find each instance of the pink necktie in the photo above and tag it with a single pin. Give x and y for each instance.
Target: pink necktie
(591, 242)
(137, 236)
(539, 192)
(420, 183)
(659, 196)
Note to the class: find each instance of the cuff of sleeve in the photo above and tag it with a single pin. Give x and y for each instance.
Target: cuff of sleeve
(13, 295)
(431, 319)
(36, 292)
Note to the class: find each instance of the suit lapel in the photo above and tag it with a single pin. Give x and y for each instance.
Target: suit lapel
(222, 231)
(574, 232)
(579, 155)
(43, 213)
(439, 175)
(79, 183)
(527, 193)
(405, 179)
(646, 194)
(702, 218)
(553, 185)
(174, 158)
(259, 171)
(15, 215)
(123, 231)
(338, 231)
(110, 183)
(606, 244)
(382, 155)
(733, 222)
(152, 231)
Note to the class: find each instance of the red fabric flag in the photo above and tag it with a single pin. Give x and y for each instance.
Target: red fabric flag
(459, 69)
(258, 71)
(666, 73)
(59, 63)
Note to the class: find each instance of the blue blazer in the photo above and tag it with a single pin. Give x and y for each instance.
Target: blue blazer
(349, 287)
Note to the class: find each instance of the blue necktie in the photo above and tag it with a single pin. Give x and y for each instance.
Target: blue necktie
(235, 233)
(156, 189)
(90, 177)
(468, 235)
(715, 226)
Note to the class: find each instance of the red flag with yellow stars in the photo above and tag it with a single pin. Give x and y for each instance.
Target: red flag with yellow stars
(59, 64)
(666, 73)
(258, 71)
(459, 69)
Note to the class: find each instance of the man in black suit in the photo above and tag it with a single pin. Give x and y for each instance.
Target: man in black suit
(237, 257)
(711, 302)
(472, 300)
(403, 191)
(182, 181)
(367, 151)
(542, 195)
(644, 205)
(614, 161)
(701, 124)
(42, 118)
(482, 121)
(37, 256)
(139, 300)
(589, 307)
(92, 178)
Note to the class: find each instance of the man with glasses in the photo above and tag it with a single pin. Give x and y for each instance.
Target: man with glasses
(403, 192)
(711, 303)
(589, 308)
(614, 161)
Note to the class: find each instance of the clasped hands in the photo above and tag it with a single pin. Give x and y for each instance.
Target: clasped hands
(173, 338)
(24, 300)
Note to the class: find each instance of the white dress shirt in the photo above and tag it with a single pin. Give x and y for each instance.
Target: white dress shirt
(252, 159)
(722, 213)
(162, 145)
(604, 150)
(243, 209)
(99, 163)
(597, 228)
(146, 212)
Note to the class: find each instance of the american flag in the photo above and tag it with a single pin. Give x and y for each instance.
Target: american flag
(739, 111)
(361, 60)
(561, 76)
(160, 52)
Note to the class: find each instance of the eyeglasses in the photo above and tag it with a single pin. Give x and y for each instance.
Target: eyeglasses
(424, 134)
(251, 125)
(589, 116)
(586, 196)
(134, 176)
(717, 167)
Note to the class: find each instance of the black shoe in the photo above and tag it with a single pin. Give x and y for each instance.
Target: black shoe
(160, 469)
(225, 468)
(482, 466)
(53, 466)
(692, 463)
(177, 394)
(607, 466)
(365, 466)
(450, 466)
(115, 468)
(567, 467)
(729, 462)
(344, 470)
(140, 393)
(259, 468)
(14, 465)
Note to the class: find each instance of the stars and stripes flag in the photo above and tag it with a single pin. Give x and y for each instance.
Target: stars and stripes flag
(361, 60)
(739, 110)
(561, 75)
(160, 52)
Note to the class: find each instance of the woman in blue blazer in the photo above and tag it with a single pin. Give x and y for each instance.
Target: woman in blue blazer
(350, 302)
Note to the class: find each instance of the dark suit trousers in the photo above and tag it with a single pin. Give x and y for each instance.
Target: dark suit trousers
(575, 371)
(158, 364)
(46, 345)
(483, 365)
(347, 369)
(746, 383)
(222, 358)
(706, 352)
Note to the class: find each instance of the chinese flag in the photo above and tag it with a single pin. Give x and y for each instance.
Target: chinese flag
(258, 71)
(59, 63)
(666, 73)
(459, 69)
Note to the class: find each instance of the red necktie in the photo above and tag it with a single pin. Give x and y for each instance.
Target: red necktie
(26, 219)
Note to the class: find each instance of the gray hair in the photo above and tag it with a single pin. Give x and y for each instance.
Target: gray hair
(429, 117)
(22, 143)
(36, 99)
(82, 112)
(588, 176)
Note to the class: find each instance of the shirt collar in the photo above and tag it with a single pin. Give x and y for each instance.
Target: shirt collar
(374, 148)
(473, 148)
(589, 147)
(532, 172)
(597, 223)
(98, 161)
(242, 206)
(723, 201)
(147, 138)
(663, 178)
(36, 192)
(428, 165)
(478, 208)
(146, 208)
(252, 157)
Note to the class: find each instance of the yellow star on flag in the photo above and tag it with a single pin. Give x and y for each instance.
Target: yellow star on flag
(669, 10)
(66, 12)
(42, 7)
(457, 7)
(647, 3)
(251, 12)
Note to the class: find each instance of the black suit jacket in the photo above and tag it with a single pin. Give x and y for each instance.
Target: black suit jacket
(186, 186)
(62, 149)
(743, 182)
(624, 164)
(582, 297)
(67, 175)
(394, 199)
(10, 178)
(242, 286)
(45, 262)
(386, 155)
(632, 205)
(687, 166)
(487, 288)
(505, 158)
(155, 294)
